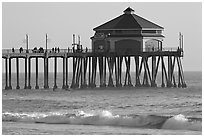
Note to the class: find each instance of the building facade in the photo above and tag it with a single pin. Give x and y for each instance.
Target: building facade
(127, 33)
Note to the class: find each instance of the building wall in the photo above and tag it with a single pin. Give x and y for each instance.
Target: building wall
(128, 43)
(99, 45)
(133, 44)
(152, 44)
(127, 46)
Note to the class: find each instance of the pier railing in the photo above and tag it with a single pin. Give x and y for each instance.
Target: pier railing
(9, 51)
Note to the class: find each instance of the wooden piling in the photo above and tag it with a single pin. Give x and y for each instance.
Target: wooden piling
(25, 86)
(85, 70)
(36, 65)
(162, 85)
(169, 84)
(6, 74)
(10, 87)
(73, 75)
(55, 73)
(94, 71)
(67, 72)
(100, 64)
(104, 72)
(46, 73)
(137, 78)
(17, 73)
(153, 83)
(89, 79)
(119, 72)
(29, 73)
(110, 66)
(63, 73)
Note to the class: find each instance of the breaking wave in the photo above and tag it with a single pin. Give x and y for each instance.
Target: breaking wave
(178, 122)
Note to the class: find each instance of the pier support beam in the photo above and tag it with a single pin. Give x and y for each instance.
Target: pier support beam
(153, 83)
(94, 66)
(169, 81)
(17, 73)
(104, 72)
(146, 73)
(137, 77)
(25, 87)
(6, 74)
(120, 70)
(74, 69)
(29, 73)
(10, 87)
(110, 66)
(89, 79)
(100, 64)
(162, 85)
(36, 86)
(63, 73)
(127, 75)
(116, 72)
(67, 72)
(85, 70)
(55, 73)
(46, 73)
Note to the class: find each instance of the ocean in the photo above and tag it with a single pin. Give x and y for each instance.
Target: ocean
(112, 111)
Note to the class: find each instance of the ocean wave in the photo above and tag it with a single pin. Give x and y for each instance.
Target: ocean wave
(106, 118)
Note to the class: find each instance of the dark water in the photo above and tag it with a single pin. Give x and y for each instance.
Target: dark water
(103, 111)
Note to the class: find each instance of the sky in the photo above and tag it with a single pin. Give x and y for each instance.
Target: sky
(62, 20)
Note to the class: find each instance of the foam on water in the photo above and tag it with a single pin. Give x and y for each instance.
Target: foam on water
(178, 122)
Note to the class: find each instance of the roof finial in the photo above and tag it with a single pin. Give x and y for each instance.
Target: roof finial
(128, 11)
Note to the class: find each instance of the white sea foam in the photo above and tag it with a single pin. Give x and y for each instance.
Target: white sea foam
(178, 122)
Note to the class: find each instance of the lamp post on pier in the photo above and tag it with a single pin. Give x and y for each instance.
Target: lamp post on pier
(27, 43)
(46, 43)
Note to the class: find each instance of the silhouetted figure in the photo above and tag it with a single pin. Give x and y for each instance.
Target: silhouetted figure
(35, 50)
(53, 49)
(178, 50)
(13, 50)
(58, 49)
(81, 49)
(73, 49)
(86, 49)
(41, 50)
(78, 48)
(68, 49)
(21, 49)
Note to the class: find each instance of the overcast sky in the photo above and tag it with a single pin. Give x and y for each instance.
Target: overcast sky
(61, 20)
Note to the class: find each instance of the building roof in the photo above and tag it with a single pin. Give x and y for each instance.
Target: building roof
(128, 20)
(133, 35)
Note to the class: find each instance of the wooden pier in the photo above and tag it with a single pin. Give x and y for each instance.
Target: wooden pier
(126, 41)
(85, 66)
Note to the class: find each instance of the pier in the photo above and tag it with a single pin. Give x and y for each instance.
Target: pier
(85, 68)
(113, 46)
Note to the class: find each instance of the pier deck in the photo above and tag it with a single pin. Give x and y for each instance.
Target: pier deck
(109, 64)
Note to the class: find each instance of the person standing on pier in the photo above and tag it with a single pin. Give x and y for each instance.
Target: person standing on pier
(21, 49)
